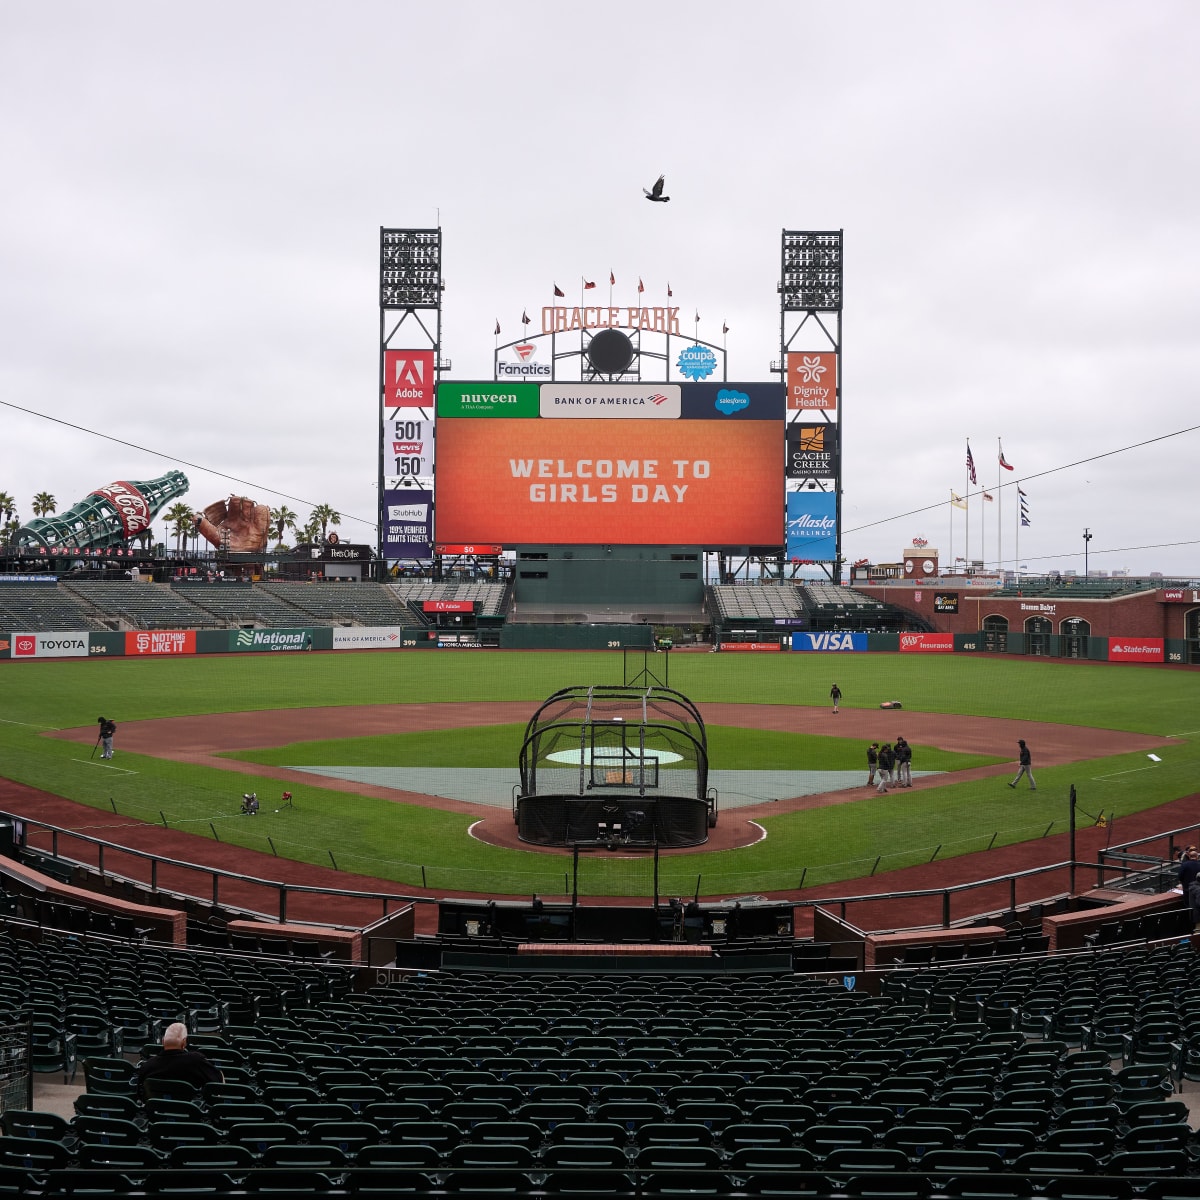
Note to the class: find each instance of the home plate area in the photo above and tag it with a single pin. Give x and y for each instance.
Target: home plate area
(492, 787)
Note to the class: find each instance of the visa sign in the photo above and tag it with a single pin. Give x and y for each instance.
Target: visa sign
(829, 641)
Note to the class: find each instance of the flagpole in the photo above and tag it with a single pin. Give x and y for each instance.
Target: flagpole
(967, 515)
(952, 529)
(999, 509)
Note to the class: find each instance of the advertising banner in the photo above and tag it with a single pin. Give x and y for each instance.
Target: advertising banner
(407, 523)
(481, 548)
(377, 637)
(856, 642)
(408, 445)
(733, 401)
(1180, 596)
(622, 401)
(938, 643)
(751, 646)
(524, 363)
(408, 379)
(1135, 649)
(50, 645)
(945, 602)
(811, 451)
(685, 483)
(160, 641)
(5, 646)
(812, 380)
(812, 526)
(451, 606)
(261, 640)
(504, 400)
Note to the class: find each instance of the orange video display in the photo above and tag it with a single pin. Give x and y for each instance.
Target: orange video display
(596, 481)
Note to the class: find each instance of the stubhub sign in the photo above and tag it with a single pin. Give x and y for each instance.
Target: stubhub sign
(829, 641)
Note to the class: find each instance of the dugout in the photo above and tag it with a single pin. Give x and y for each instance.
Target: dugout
(615, 766)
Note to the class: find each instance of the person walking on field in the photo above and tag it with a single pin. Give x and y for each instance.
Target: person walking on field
(872, 762)
(107, 729)
(903, 752)
(887, 760)
(835, 694)
(1025, 767)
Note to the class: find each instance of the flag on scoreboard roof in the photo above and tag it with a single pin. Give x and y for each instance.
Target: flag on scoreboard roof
(641, 286)
(1004, 461)
(524, 317)
(587, 287)
(497, 326)
(971, 464)
(724, 328)
(697, 316)
(988, 496)
(612, 279)
(957, 500)
(669, 292)
(559, 292)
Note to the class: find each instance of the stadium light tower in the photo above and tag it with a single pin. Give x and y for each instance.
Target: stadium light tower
(1087, 537)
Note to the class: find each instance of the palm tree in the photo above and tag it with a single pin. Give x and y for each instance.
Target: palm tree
(311, 531)
(8, 507)
(179, 519)
(282, 519)
(325, 514)
(44, 504)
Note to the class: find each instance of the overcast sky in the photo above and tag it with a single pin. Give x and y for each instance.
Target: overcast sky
(192, 196)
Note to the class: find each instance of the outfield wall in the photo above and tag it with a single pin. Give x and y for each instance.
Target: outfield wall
(176, 642)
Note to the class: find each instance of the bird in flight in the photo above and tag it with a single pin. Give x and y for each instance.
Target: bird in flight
(655, 193)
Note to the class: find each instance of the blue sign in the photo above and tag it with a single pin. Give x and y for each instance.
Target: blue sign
(696, 362)
(812, 526)
(732, 402)
(831, 640)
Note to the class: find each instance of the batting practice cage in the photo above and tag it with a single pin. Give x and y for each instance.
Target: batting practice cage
(615, 766)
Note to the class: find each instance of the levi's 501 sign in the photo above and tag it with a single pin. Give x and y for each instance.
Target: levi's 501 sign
(662, 476)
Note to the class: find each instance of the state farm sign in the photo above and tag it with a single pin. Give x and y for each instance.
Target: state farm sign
(1135, 650)
(927, 642)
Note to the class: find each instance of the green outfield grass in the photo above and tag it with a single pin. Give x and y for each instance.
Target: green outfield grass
(422, 846)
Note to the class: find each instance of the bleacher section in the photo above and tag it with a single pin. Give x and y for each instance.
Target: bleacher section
(831, 606)
(752, 602)
(35, 607)
(342, 603)
(140, 605)
(233, 604)
(1047, 1078)
(487, 597)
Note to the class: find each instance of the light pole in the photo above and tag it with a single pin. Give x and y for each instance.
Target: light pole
(1087, 537)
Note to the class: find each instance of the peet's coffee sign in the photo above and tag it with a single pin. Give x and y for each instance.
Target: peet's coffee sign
(945, 602)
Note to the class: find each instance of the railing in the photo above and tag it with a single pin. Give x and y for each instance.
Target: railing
(156, 863)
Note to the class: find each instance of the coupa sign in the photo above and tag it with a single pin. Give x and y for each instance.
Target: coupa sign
(256, 640)
(829, 641)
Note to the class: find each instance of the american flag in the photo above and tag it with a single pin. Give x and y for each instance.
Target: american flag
(971, 464)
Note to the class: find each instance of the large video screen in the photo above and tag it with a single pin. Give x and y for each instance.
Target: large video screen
(591, 464)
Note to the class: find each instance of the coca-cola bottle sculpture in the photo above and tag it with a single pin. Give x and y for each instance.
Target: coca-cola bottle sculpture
(109, 516)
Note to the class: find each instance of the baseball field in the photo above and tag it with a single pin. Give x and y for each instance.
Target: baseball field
(400, 765)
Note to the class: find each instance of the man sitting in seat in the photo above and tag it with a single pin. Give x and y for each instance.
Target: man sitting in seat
(176, 1061)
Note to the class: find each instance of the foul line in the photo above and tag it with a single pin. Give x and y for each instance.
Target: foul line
(27, 724)
(1115, 774)
(91, 762)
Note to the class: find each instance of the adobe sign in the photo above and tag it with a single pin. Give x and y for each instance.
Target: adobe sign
(408, 379)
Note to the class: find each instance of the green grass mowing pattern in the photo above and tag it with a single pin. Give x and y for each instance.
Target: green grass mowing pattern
(730, 748)
(396, 841)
